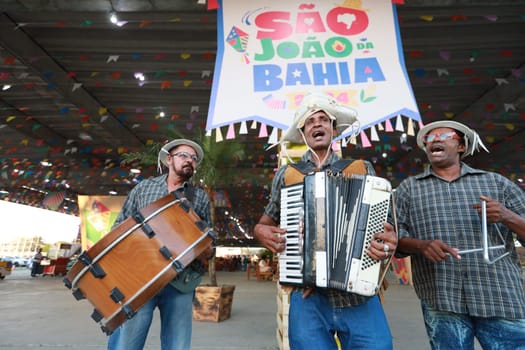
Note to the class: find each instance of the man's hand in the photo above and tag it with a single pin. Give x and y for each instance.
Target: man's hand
(498, 213)
(437, 251)
(270, 236)
(495, 210)
(384, 243)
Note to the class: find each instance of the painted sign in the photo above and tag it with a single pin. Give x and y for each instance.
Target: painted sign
(97, 216)
(271, 53)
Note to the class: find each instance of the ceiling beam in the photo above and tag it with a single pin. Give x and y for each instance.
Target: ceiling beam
(22, 47)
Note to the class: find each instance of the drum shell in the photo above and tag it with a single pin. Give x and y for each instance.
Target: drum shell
(135, 264)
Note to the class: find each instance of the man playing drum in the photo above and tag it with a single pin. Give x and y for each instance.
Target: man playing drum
(174, 301)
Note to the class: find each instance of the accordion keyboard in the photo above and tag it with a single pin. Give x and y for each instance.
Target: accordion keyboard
(292, 216)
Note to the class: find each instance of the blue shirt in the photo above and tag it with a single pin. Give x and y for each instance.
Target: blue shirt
(430, 208)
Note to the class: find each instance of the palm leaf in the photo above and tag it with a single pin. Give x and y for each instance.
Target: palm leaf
(210, 170)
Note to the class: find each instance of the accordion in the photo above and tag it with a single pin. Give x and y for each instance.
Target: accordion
(330, 220)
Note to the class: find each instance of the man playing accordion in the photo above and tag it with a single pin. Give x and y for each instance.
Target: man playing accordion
(316, 314)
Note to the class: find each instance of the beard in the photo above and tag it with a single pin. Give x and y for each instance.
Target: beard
(185, 171)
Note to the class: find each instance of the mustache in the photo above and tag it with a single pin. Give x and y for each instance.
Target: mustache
(189, 166)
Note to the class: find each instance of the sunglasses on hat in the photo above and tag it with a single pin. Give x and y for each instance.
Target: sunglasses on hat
(441, 136)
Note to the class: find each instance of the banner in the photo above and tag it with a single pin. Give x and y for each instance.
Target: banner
(97, 215)
(271, 53)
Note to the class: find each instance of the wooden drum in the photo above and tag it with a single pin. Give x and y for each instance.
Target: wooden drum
(139, 257)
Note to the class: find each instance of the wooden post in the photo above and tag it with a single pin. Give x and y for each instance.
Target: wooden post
(283, 306)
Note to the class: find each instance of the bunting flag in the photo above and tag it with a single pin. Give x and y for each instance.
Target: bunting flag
(53, 200)
(231, 132)
(365, 142)
(388, 126)
(218, 135)
(373, 134)
(263, 131)
(410, 128)
(283, 50)
(399, 124)
(274, 137)
(243, 129)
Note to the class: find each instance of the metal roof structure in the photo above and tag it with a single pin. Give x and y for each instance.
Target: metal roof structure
(70, 95)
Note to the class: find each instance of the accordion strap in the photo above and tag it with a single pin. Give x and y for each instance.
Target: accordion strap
(349, 167)
(292, 175)
(295, 173)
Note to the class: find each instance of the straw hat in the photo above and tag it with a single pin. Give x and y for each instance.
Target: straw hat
(471, 138)
(165, 150)
(315, 102)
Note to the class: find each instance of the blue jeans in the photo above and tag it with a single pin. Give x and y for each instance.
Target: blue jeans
(313, 323)
(175, 317)
(449, 330)
(35, 269)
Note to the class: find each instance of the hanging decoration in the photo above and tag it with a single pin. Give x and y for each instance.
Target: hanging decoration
(350, 50)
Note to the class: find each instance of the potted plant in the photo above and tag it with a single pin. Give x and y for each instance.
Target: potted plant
(212, 302)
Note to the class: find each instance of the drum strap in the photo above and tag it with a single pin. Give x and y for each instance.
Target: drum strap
(188, 279)
(188, 193)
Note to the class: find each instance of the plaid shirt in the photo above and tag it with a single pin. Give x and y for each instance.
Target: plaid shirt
(337, 299)
(429, 208)
(155, 188)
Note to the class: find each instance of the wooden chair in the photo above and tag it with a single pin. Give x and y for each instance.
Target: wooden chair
(263, 276)
(251, 270)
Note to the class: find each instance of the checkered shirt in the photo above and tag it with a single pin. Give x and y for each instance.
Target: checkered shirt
(149, 190)
(429, 208)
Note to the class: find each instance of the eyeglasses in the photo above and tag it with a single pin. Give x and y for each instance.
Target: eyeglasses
(441, 136)
(185, 155)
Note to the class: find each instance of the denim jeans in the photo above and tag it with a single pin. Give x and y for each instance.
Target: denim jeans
(175, 317)
(449, 330)
(35, 269)
(313, 323)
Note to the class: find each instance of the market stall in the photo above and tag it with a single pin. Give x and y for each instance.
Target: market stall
(57, 265)
(54, 267)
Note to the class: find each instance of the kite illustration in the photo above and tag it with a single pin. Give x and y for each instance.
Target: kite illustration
(238, 39)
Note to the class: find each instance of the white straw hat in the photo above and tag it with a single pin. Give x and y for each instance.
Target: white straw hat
(314, 102)
(471, 138)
